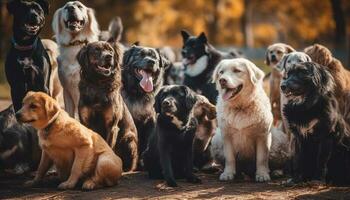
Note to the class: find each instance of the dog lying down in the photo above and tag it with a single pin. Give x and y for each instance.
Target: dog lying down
(76, 151)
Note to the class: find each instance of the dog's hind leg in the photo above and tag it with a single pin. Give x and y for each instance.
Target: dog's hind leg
(68, 103)
(108, 171)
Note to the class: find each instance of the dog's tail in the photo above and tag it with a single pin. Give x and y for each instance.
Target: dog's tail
(115, 29)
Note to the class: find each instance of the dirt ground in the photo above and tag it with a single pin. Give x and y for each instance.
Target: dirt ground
(138, 186)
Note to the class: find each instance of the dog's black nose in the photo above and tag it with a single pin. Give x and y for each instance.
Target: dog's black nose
(108, 58)
(222, 81)
(183, 52)
(273, 57)
(166, 102)
(283, 87)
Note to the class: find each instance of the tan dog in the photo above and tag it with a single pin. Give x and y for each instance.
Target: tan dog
(274, 54)
(244, 117)
(75, 150)
(323, 56)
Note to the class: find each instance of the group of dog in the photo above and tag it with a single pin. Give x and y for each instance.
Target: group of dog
(97, 108)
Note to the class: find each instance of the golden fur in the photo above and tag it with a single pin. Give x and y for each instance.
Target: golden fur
(76, 151)
(277, 50)
(245, 118)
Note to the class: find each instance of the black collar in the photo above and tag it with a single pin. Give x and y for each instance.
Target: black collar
(26, 47)
(51, 122)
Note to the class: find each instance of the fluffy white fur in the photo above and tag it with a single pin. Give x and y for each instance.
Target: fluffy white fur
(70, 42)
(245, 119)
(198, 67)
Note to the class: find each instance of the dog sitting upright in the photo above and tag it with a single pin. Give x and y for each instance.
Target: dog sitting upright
(77, 152)
(200, 59)
(142, 77)
(274, 54)
(322, 136)
(101, 106)
(169, 152)
(27, 64)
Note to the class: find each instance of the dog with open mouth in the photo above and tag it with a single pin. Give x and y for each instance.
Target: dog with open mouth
(322, 135)
(200, 59)
(142, 77)
(27, 64)
(244, 119)
(101, 106)
(74, 25)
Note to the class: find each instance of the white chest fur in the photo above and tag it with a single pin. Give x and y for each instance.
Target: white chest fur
(198, 67)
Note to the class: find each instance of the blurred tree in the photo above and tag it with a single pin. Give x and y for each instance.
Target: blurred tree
(246, 23)
(340, 25)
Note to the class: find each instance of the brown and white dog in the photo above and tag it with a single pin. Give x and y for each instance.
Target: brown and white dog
(244, 118)
(74, 26)
(77, 152)
(274, 54)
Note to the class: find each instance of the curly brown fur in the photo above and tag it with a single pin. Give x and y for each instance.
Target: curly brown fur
(101, 106)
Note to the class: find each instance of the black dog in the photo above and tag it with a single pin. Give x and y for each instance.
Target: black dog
(19, 148)
(27, 64)
(170, 146)
(142, 77)
(200, 59)
(322, 146)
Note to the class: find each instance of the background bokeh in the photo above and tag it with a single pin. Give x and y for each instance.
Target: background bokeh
(249, 25)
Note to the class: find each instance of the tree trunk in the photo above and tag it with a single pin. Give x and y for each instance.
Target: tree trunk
(213, 23)
(246, 24)
(340, 24)
(2, 29)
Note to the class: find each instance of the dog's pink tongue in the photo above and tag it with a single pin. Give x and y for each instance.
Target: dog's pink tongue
(227, 94)
(147, 81)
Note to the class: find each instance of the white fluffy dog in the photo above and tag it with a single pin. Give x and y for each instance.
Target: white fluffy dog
(244, 116)
(74, 26)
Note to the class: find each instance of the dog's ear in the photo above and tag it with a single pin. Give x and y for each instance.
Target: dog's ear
(202, 37)
(321, 77)
(51, 108)
(204, 108)
(215, 75)
(12, 5)
(191, 97)
(137, 43)
(158, 100)
(255, 73)
(128, 55)
(56, 24)
(82, 57)
(118, 53)
(289, 48)
(44, 5)
(92, 25)
(185, 35)
(115, 28)
(163, 61)
(267, 59)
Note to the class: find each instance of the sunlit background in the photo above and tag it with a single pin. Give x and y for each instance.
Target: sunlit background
(249, 25)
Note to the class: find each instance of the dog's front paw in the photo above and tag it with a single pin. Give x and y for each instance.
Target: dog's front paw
(194, 179)
(31, 183)
(227, 176)
(262, 177)
(89, 185)
(66, 185)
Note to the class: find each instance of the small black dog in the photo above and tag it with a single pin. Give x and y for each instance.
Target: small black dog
(322, 146)
(200, 59)
(19, 148)
(170, 146)
(142, 77)
(27, 64)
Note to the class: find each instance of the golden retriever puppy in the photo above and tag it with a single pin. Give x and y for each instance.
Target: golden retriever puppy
(76, 151)
(244, 117)
(274, 54)
(323, 56)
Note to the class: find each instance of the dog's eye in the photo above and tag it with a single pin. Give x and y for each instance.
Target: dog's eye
(271, 52)
(32, 106)
(221, 72)
(80, 7)
(236, 70)
(279, 52)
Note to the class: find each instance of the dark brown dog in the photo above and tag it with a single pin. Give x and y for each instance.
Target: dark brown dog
(101, 106)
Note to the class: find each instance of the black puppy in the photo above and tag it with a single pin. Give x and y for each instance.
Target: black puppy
(322, 146)
(170, 147)
(19, 148)
(27, 64)
(142, 77)
(200, 59)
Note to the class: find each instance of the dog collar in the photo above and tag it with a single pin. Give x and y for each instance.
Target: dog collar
(77, 43)
(52, 120)
(24, 48)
